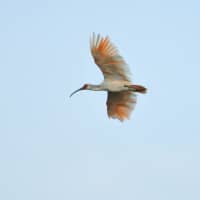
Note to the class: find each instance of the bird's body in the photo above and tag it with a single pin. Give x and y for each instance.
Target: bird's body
(112, 86)
(115, 85)
(121, 92)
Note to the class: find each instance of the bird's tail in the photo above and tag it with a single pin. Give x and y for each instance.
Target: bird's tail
(138, 88)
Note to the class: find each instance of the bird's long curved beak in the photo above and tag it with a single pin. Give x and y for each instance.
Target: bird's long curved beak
(76, 91)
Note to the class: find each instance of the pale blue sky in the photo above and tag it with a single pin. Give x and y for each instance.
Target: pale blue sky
(54, 147)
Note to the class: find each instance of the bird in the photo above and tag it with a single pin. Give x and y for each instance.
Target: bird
(121, 98)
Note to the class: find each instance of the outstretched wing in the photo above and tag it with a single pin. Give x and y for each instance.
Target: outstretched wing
(120, 104)
(106, 56)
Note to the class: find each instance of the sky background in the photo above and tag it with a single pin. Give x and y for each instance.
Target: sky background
(56, 147)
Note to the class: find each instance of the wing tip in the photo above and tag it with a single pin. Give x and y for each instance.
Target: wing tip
(121, 112)
(102, 45)
(121, 119)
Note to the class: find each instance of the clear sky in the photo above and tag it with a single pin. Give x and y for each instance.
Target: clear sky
(54, 147)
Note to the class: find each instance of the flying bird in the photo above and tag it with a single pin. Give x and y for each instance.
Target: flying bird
(121, 97)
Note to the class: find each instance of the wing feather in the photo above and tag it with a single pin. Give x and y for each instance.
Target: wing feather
(108, 59)
(120, 104)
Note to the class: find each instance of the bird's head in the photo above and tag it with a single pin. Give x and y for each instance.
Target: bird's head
(84, 87)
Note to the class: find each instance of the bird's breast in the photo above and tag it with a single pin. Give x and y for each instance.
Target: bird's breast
(115, 86)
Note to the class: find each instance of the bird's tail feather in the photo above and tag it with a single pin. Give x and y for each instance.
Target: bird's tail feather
(138, 88)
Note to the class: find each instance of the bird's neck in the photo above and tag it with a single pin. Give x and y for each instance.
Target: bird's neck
(95, 87)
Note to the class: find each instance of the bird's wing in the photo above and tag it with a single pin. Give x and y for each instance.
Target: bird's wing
(107, 57)
(120, 104)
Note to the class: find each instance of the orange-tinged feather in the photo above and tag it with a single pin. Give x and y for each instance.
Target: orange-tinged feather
(121, 112)
(102, 44)
(105, 42)
(120, 104)
(104, 47)
(107, 58)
